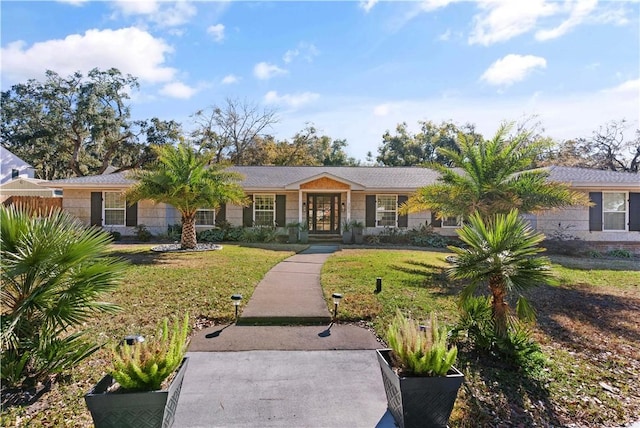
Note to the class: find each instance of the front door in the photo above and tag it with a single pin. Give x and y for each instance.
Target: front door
(323, 212)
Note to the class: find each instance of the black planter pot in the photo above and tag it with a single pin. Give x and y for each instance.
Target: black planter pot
(419, 401)
(152, 409)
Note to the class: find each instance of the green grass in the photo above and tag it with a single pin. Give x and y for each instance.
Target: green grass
(156, 285)
(587, 327)
(414, 281)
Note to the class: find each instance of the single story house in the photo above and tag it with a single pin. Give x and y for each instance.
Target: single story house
(326, 197)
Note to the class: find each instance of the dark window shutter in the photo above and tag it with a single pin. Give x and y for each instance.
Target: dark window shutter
(96, 208)
(595, 211)
(247, 213)
(370, 211)
(634, 212)
(281, 210)
(221, 214)
(132, 215)
(403, 220)
(435, 221)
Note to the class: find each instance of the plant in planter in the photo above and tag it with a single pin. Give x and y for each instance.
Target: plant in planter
(347, 233)
(131, 395)
(292, 229)
(358, 231)
(304, 233)
(419, 379)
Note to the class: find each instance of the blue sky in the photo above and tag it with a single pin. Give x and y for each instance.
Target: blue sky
(353, 69)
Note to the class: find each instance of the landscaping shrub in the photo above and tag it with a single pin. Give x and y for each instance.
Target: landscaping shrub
(211, 235)
(174, 231)
(259, 234)
(53, 271)
(424, 236)
(142, 233)
(620, 253)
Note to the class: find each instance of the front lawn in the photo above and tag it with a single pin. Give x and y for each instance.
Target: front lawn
(156, 285)
(588, 327)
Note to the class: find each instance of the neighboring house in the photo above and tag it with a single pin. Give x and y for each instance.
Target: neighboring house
(327, 197)
(12, 167)
(28, 187)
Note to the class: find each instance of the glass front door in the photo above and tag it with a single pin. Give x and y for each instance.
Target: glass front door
(323, 213)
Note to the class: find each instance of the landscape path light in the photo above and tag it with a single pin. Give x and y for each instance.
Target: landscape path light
(336, 301)
(236, 298)
(132, 339)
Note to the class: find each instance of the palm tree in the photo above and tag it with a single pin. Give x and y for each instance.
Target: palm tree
(493, 176)
(503, 253)
(53, 270)
(185, 179)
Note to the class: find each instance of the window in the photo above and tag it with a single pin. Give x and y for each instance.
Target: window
(614, 211)
(114, 209)
(386, 210)
(452, 221)
(206, 217)
(264, 210)
(15, 173)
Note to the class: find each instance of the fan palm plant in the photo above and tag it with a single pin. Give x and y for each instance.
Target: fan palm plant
(492, 176)
(187, 180)
(53, 270)
(503, 253)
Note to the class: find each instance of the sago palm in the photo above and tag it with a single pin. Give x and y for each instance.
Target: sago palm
(493, 176)
(185, 179)
(501, 252)
(53, 272)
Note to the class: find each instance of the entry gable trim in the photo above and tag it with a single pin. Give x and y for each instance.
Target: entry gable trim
(296, 185)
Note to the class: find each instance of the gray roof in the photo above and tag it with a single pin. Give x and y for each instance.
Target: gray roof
(115, 179)
(584, 177)
(369, 178)
(278, 177)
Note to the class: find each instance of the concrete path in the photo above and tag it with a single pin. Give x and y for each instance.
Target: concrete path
(256, 375)
(290, 292)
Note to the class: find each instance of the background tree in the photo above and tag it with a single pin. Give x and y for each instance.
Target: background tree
(492, 176)
(408, 149)
(187, 180)
(78, 125)
(607, 149)
(53, 273)
(232, 130)
(501, 252)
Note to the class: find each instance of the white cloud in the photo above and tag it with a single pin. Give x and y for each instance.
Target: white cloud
(217, 31)
(74, 2)
(381, 110)
(265, 71)
(162, 13)
(291, 100)
(130, 50)
(367, 5)
(230, 79)
(512, 68)
(305, 50)
(580, 9)
(501, 20)
(178, 90)
(630, 86)
(445, 36)
(431, 5)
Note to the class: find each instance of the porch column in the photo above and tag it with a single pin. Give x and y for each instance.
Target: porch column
(348, 205)
(300, 195)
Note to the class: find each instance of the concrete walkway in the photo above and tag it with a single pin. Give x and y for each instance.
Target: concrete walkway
(263, 373)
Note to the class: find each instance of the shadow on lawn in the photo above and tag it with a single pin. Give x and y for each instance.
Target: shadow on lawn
(426, 275)
(586, 311)
(500, 395)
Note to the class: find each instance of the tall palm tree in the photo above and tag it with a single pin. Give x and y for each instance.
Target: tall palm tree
(185, 179)
(502, 252)
(493, 176)
(53, 271)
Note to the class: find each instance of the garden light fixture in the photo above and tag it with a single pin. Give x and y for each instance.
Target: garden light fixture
(132, 339)
(236, 298)
(336, 301)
